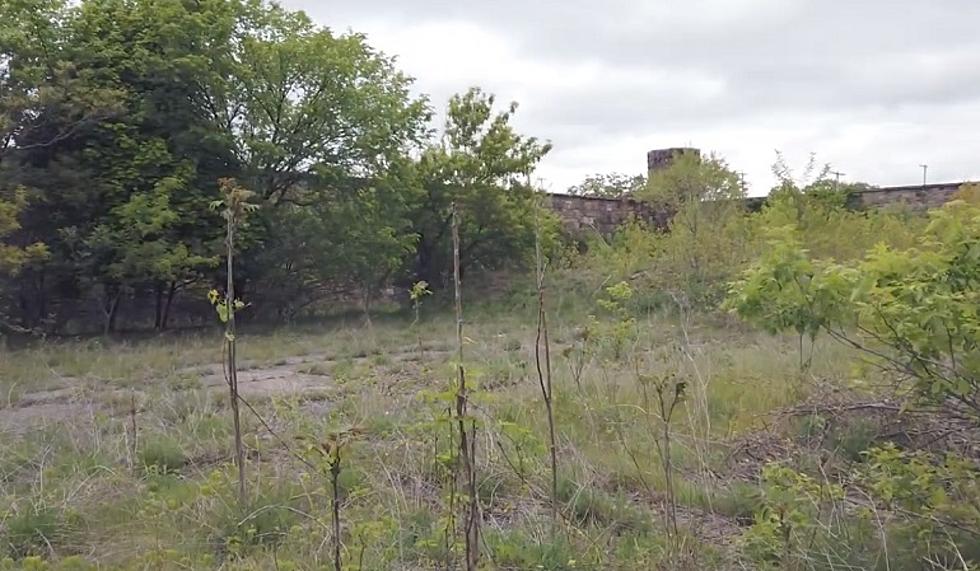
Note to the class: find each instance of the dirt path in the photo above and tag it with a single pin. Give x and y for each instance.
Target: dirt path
(80, 398)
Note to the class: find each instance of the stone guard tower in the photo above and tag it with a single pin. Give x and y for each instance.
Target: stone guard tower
(658, 159)
(603, 215)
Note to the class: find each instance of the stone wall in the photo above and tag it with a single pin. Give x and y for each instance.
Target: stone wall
(585, 214)
(582, 214)
(920, 197)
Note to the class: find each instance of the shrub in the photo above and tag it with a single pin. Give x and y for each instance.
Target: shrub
(591, 505)
(913, 311)
(518, 550)
(162, 454)
(740, 501)
(789, 518)
(264, 521)
(38, 530)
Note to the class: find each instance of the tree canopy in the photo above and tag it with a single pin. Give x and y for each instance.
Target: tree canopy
(118, 118)
(609, 185)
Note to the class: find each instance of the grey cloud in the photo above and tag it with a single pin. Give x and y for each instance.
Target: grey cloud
(792, 50)
(723, 66)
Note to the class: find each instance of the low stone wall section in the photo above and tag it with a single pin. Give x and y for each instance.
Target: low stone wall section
(582, 214)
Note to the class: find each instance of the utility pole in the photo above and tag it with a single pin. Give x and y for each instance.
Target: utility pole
(837, 175)
(741, 180)
(925, 169)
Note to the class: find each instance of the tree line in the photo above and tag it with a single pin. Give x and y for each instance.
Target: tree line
(118, 119)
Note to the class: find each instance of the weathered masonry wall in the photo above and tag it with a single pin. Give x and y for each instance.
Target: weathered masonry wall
(603, 215)
(581, 214)
(919, 197)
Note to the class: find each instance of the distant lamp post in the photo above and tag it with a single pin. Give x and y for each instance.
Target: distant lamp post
(837, 175)
(925, 170)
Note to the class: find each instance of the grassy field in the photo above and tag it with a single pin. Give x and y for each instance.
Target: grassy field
(77, 492)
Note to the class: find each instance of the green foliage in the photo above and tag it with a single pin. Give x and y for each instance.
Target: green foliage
(419, 290)
(34, 36)
(922, 507)
(516, 550)
(37, 529)
(919, 304)
(912, 309)
(711, 237)
(162, 454)
(119, 118)
(612, 185)
(13, 257)
(691, 180)
(29, 531)
(613, 336)
(708, 239)
(483, 166)
(786, 290)
(922, 304)
(297, 101)
(592, 505)
(792, 507)
(234, 206)
(109, 152)
(353, 237)
(935, 498)
(816, 212)
(740, 501)
(632, 250)
(224, 307)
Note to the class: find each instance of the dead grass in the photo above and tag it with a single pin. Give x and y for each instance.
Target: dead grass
(66, 442)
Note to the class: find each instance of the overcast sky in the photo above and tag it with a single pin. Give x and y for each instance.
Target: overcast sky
(874, 87)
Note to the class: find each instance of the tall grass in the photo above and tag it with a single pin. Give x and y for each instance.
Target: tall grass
(176, 512)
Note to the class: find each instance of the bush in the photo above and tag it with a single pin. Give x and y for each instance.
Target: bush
(518, 550)
(37, 531)
(265, 521)
(590, 505)
(852, 439)
(162, 454)
(913, 311)
(740, 501)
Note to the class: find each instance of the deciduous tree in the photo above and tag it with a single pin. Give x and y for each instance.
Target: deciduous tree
(611, 185)
(483, 165)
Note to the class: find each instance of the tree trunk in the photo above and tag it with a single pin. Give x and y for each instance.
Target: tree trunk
(335, 484)
(26, 314)
(111, 309)
(232, 364)
(366, 304)
(467, 441)
(158, 309)
(171, 293)
(423, 268)
(544, 377)
(42, 298)
(31, 299)
(114, 314)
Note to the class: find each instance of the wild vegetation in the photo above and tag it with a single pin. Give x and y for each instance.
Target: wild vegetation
(793, 387)
(119, 117)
